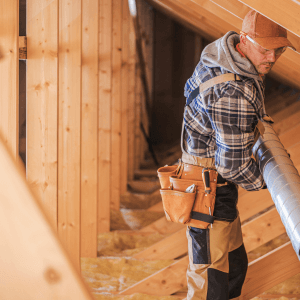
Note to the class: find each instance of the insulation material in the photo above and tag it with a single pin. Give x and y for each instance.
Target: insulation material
(133, 219)
(118, 243)
(109, 275)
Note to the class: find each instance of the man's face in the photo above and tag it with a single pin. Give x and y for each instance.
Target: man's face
(262, 59)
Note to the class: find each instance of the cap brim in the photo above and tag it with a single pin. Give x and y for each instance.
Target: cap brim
(274, 42)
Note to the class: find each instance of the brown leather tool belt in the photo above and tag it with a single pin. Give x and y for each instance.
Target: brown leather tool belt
(188, 191)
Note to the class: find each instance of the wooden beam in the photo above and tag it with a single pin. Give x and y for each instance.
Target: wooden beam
(186, 19)
(9, 74)
(22, 47)
(284, 13)
(89, 130)
(69, 127)
(104, 136)
(35, 264)
(238, 11)
(162, 283)
(269, 270)
(255, 233)
(262, 229)
(116, 104)
(131, 102)
(42, 103)
(289, 122)
(125, 96)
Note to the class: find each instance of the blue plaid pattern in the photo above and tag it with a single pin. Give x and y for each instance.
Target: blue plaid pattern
(220, 123)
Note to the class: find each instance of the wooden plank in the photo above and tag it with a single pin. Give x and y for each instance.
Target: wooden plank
(104, 137)
(22, 47)
(164, 282)
(284, 13)
(131, 101)
(262, 229)
(42, 103)
(69, 127)
(190, 21)
(239, 10)
(89, 130)
(285, 113)
(30, 245)
(255, 233)
(116, 104)
(289, 122)
(124, 102)
(137, 121)
(269, 270)
(9, 74)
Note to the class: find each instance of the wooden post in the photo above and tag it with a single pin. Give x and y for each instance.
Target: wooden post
(116, 104)
(42, 103)
(104, 136)
(89, 128)
(69, 127)
(125, 96)
(131, 101)
(36, 265)
(9, 74)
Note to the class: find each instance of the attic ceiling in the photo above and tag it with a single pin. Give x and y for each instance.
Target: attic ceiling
(213, 18)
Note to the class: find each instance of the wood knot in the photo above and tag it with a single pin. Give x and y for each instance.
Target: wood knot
(52, 276)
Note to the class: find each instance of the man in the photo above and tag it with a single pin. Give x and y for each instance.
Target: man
(218, 133)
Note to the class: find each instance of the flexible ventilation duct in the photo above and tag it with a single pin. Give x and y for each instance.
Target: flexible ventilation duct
(282, 179)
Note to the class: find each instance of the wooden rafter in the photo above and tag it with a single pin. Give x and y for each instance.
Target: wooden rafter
(285, 13)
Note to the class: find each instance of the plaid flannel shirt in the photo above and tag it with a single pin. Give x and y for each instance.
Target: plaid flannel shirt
(220, 123)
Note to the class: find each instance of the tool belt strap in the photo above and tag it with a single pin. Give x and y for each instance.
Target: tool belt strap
(210, 83)
(198, 161)
(202, 217)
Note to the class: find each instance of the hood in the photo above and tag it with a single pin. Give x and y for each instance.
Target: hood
(222, 53)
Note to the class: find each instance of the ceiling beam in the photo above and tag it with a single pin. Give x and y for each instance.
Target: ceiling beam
(285, 13)
(239, 10)
(185, 18)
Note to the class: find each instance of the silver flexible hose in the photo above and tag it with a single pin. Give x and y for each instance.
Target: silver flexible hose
(282, 179)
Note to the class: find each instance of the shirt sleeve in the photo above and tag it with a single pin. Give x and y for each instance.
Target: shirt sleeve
(232, 119)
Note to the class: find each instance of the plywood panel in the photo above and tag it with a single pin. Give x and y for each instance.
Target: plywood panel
(9, 74)
(42, 103)
(89, 130)
(69, 126)
(104, 137)
(36, 265)
(125, 95)
(116, 104)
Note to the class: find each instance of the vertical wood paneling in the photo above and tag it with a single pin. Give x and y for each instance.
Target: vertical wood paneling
(131, 100)
(89, 128)
(104, 137)
(42, 97)
(9, 74)
(138, 133)
(69, 126)
(124, 101)
(116, 104)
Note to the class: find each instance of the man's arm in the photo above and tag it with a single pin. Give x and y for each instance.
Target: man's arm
(232, 119)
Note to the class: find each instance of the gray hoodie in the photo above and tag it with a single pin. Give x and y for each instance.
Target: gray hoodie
(222, 53)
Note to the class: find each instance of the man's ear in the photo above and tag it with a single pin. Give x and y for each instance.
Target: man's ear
(243, 40)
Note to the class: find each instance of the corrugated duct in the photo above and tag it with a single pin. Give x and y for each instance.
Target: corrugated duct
(282, 179)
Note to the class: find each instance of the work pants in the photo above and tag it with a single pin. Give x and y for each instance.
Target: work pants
(217, 261)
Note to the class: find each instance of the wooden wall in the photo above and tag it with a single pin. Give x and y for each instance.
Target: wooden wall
(84, 107)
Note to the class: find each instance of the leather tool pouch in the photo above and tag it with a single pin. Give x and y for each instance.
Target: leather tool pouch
(193, 209)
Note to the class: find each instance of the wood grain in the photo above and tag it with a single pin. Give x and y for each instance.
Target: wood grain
(42, 103)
